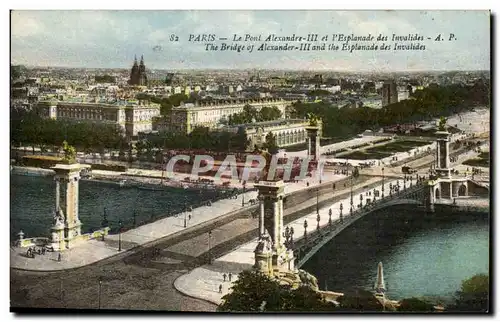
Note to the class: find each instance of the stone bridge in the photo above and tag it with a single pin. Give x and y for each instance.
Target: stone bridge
(425, 194)
(309, 242)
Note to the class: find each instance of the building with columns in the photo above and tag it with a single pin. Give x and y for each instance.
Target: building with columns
(184, 118)
(133, 116)
(287, 131)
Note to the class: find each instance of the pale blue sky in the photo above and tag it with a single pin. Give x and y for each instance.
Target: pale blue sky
(112, 38)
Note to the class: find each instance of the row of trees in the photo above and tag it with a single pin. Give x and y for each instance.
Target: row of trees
(251, 114)
(27, 128)
(199, 138)
(255, 291)
(425, 104)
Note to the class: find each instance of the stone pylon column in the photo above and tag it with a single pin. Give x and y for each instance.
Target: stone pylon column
(313, 142)
(271, 243)
(443, 154)
(67, 225)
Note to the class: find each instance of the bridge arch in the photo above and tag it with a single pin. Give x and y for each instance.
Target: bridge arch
(307, 245)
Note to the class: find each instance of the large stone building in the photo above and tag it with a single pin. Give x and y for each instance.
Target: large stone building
(133, 116)
(286, 131)
(184, 118)
(138, 74)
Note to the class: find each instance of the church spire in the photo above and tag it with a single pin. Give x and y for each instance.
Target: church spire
(380, 284)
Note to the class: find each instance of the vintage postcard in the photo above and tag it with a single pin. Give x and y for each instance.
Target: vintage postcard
(250, 161)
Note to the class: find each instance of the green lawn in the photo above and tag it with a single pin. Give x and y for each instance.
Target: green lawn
(398, 146)
(483, 160)
(383, 151)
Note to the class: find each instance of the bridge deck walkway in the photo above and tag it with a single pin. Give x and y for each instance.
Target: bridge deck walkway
(203, 282)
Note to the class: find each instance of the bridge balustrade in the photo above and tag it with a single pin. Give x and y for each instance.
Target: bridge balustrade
(305, 246)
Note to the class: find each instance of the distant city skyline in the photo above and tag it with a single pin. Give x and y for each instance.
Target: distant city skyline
(111, 39)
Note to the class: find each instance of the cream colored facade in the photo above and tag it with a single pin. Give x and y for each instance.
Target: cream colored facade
(132, 116)
(186, 117)
(287, 132)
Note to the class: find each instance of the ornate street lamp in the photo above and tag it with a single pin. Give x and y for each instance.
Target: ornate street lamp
(120, 235)
(361, 200)
(99, 294)
(341, 216)
(185, 211)
(390, 189)
(209, 248)
(104, 223)
(317, 201)
(352, 199)
(243, 196)
(318, 218)
(291, 237)
(383, 177)
(330, 217)
(305, 228)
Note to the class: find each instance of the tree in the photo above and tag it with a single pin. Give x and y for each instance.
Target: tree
(473, 295)
(270, 143)
(240, 140)
(359, 300)
(415, 305)
(257, 292)
(176, 99)
(267, 113)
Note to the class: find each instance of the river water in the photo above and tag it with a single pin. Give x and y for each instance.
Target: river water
(32, 202)
(423, 254)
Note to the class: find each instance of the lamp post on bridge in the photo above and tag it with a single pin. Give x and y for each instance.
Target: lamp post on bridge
(390, 189)
(330, 217)
(383, 177)
(120, 235)
(305, 229)
(341, 217)
(209, 248)
(99, 294)
(318, 218)
(185, 211)
(317, 201)
(243, 196)
(352, 197)
(361, 200)
(104, 223)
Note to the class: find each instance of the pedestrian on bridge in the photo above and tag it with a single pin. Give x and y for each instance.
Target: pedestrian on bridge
(220, 288)
(224, 276)
(230, 277)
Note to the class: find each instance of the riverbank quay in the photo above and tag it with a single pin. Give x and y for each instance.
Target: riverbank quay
(146, 235)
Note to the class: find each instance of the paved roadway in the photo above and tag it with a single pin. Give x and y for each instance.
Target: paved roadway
(140, 281)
